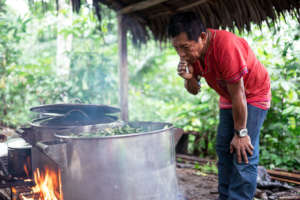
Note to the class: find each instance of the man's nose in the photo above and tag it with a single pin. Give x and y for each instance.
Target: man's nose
(181, 54)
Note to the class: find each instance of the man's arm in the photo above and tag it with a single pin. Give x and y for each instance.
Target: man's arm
(241, 145)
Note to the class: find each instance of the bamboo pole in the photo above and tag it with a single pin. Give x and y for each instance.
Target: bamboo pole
(123, 69)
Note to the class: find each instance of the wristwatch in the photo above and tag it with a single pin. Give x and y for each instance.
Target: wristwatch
(241, 133)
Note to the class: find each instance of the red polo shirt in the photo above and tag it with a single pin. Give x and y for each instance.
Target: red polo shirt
(227, 60)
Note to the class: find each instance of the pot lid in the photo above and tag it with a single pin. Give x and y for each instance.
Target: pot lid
(88, 109)
(74, 120)
(18, 143)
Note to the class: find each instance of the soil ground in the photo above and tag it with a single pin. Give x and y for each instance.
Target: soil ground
(197, 186)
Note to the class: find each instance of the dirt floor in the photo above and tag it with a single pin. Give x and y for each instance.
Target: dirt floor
(197, 186)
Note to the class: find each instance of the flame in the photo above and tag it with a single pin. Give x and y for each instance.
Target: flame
(26, 170)
(27, 166)
(14, 191)
(48, 185)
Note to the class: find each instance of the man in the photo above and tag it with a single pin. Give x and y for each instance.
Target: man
(230, 67)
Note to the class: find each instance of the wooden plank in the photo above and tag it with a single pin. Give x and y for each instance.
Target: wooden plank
(140, 6)
(285, 180)
(285, 174)
(123, 69)
(285, 170)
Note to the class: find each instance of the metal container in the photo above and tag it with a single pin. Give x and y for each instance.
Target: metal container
(19, 158)
(60, 118)
(137, 166)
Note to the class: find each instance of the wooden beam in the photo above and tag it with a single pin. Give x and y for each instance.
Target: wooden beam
(183, 8)
(197, 3)
(140, 6)
(123, 69)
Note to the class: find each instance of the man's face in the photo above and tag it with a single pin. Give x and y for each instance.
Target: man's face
(188, 50)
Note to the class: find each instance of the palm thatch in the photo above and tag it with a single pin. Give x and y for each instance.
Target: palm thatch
(140, 17)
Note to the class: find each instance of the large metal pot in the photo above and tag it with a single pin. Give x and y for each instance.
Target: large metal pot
(19, 158)
(60, 118)
(137, 166)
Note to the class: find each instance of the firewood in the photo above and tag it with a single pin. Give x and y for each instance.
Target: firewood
(295, 176)
(285, 180)
(289, 198)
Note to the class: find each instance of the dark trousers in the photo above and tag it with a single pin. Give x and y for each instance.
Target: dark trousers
(238, 181)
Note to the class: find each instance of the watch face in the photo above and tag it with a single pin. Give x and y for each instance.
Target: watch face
(243, 132)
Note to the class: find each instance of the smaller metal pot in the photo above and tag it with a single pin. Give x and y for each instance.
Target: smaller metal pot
(19, 158)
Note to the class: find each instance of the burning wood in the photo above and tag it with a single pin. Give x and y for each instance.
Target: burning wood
(29, 195)
(18, 190)
(48, 186)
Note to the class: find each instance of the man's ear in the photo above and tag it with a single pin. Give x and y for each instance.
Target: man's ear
(202, 36)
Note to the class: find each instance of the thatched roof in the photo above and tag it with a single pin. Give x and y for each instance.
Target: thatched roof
(153, 15)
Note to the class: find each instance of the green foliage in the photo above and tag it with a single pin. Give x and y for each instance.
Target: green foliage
(93, 60)
(208, 168)
(28, 53)
(11, 32)
(280, 146)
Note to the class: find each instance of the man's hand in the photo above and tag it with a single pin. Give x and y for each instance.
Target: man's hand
(192, 86)
(186, 71)
(183, 72)
(241, 145)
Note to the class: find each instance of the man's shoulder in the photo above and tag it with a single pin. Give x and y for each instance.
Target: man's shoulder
(222, 33)
(224, 37)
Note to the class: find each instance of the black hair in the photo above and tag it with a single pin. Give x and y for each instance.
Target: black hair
(187, 22)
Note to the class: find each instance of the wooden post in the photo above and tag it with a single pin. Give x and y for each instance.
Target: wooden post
(123, 69)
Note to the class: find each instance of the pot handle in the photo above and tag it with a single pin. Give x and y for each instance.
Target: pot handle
(3, 138)
(23, 131)
(56, 150)
(42, 147)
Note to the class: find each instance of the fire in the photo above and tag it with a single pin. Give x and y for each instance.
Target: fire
(48, 185)
(26, 170)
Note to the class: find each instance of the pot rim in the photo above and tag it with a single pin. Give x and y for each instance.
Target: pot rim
(18, 144)
(61, 107)
(170, 127)
(36, 125)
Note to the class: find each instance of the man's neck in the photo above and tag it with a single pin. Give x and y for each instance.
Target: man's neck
(205, 48)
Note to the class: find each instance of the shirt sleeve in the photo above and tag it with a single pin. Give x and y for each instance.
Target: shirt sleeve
(231, 52)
